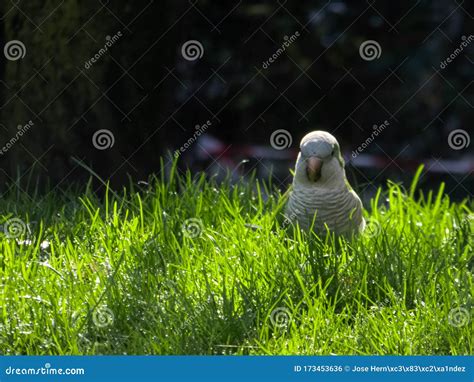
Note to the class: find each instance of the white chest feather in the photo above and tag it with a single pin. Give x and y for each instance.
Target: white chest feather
(340, 210)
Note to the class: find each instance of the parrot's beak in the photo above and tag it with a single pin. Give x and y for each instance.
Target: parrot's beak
(313, 168)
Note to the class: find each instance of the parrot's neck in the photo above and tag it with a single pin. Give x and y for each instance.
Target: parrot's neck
(321, 189)
(335, 183)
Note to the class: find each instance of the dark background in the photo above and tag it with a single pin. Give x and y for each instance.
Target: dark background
(151, 98)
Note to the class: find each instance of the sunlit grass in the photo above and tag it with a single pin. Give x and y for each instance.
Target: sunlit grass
(129, 273)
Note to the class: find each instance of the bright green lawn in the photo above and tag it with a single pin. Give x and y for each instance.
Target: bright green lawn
(122, 276)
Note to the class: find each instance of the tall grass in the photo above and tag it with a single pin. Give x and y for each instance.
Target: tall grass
(130, 273)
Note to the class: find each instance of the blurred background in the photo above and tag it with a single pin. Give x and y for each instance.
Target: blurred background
(119, 85)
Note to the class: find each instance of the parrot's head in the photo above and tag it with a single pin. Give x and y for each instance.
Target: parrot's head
(320, 162)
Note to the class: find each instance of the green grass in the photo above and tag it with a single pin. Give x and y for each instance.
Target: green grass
(122, 276)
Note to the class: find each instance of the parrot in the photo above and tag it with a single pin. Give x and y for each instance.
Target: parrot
(321, 198)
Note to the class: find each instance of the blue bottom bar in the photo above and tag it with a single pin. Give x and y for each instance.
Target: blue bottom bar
(242, 368)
